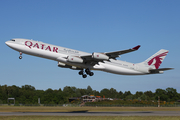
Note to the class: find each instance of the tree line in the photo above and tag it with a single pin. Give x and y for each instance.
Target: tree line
(27, 94)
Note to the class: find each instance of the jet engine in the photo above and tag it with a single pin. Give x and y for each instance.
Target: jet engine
(74, 59)
(100, 56)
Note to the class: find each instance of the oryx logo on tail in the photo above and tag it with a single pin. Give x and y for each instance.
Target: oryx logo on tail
(157, 60)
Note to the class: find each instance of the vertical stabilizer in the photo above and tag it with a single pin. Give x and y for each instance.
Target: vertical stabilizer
(156, 59)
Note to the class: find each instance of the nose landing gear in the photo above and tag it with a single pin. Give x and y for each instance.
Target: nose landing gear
(20, 57)
(87, 71)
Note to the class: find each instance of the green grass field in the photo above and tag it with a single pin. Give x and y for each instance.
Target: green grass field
(90, 109)
(86, 118)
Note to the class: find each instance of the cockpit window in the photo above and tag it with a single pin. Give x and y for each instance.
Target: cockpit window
(12, 40)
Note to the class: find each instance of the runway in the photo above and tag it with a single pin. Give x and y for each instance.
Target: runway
(86, 113)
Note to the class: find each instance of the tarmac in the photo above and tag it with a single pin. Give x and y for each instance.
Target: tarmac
(86, 113)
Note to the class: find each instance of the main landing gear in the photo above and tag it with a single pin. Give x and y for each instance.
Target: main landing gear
(87, 71)
(20, 57)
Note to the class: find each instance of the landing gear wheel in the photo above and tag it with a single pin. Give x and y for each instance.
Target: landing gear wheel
(91, 74)
(81, 72)
(87, 71)
(20, 57)
(84, 76)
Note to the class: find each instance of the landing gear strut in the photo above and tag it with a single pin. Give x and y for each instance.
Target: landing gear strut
(20, 57)
(87, 71)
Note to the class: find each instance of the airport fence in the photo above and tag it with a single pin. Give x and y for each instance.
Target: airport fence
(132, 105)
(50, 105)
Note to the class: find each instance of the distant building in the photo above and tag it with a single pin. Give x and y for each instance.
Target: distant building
(87, 98)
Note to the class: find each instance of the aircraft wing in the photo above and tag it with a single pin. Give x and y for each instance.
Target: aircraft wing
(107, 55)
(117, 53)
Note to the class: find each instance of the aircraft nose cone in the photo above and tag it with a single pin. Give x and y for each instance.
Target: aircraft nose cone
(6, 42)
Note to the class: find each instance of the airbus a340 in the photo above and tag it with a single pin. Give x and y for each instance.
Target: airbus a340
(85, 62)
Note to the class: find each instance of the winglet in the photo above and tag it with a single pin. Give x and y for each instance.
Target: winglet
(136, 48)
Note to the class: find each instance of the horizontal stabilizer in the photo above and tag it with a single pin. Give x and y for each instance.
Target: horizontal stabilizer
(159, 70)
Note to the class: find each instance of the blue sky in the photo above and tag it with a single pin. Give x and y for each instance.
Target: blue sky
(90, 26)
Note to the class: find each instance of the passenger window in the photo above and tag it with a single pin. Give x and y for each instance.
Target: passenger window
(12, 40)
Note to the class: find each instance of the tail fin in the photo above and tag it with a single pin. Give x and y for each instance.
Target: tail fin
(155, 60)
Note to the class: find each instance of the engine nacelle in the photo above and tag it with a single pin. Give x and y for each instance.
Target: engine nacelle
(100, 56)
(74, 59)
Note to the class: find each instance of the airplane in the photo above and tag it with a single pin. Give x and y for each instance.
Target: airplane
(86, 62)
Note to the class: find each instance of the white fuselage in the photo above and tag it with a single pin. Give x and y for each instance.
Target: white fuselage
(60, 54)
